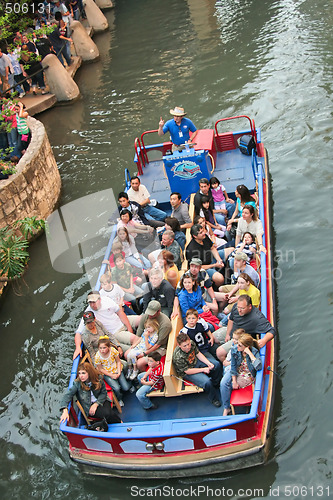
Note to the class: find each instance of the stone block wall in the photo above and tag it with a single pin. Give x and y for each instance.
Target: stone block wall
(35, 188)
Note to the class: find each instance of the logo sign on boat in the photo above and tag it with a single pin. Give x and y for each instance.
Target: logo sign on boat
(186, 169)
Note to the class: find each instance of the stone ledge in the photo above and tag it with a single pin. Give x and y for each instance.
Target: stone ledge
(35, 188)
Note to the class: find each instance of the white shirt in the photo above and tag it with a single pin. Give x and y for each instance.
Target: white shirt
(139, 196)
(107, 314)
(116, 294)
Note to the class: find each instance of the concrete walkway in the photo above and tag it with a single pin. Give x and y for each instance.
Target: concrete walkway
(38, 103)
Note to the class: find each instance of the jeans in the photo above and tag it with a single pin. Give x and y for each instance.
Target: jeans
(13, 141)
(226, 389)
(230, 208)
(209, 382)
(24, 84)
(220, 219)
(130, 297)
(62, 53)
(154, 213)
(142, 392)
(118, 385)
(134, 262)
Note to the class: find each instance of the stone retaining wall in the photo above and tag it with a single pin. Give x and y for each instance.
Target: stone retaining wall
(35, 188)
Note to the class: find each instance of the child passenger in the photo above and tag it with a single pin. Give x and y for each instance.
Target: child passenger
(235, 336)
(198, 331)
(114, 292)
(108, 363)
(219, 194)
(247, 245)
(151, 380)
(148, 339)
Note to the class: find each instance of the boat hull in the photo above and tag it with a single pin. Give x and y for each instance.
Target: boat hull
(214, 463)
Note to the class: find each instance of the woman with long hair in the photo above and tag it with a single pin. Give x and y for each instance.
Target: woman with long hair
(244, 286)
(243, 197)
(245, 362)
(90, 390)
(166, 261)
(250, 223)
(132, 256)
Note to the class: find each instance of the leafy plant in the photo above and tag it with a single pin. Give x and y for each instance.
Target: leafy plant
(14, 255)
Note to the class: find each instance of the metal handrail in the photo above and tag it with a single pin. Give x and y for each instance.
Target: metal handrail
(252, 125)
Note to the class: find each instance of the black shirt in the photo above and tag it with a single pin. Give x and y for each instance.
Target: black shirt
(203, 252)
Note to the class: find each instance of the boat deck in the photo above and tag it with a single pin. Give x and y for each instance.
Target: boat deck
(232, 168)
(180, 407)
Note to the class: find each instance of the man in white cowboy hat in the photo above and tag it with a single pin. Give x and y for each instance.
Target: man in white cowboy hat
(179, 128)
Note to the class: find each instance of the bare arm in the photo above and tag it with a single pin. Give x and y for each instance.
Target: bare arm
(160, 127)
(124, 319)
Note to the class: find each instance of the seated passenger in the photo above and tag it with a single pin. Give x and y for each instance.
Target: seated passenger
(139, 193)
(235, 336)
(190, 297)
(168, 243)
(247, 245)
(134, 228)
(113, 318)
(153, 311)
(241, 265)
(158, 289)
(251, 319)
(200, 275)
(93, 330)
(166, 262)
(245, 362)
(136, 211)
(210, 217)
(172, 224)
(197, 329)
(116, 249)
(122, 274)
(250, 223)
(243, 197)
(151, 380)
(244, 286)
(201, 247)
(192, 365)
(220, 197)
(220, 243)
(204, 190)
(147, 339)
(89, 388)
(132, 256)
(180, 211)
(108, 363)
(114, 292)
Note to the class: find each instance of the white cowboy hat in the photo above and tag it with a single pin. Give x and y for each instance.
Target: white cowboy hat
(177, 111)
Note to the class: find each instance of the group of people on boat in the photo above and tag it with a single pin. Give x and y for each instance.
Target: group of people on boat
(126, 325)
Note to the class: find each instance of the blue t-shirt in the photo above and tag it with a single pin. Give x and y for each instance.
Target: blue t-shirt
(240, 208)
(179, 133)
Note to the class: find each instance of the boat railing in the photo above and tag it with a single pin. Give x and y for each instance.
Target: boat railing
(226, 141)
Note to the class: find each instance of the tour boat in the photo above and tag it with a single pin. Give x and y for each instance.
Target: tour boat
(186, 435)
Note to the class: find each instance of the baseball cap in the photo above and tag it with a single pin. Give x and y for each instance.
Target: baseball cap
(88, 317)
(153, 307)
